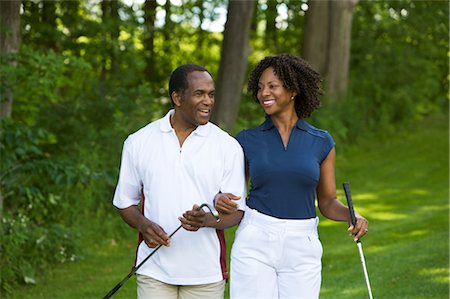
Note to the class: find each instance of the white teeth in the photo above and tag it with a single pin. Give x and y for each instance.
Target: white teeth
(268, 102)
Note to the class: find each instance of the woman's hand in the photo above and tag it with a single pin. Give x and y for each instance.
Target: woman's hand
(360, 229)
(223, 202)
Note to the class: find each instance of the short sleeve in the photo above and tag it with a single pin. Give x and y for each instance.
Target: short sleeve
(240, 137)
(233, 180)
(129, 187)
(327, 145)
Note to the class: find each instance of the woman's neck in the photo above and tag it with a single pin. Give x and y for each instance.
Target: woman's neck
(285, 122)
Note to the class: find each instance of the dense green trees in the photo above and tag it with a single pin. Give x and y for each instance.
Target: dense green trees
(90, 72)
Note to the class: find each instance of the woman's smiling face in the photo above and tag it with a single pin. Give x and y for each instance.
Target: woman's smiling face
(272, 95)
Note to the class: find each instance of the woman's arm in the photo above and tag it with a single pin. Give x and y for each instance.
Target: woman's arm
(329, 205)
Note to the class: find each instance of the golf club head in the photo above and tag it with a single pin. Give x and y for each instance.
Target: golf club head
(212, 210)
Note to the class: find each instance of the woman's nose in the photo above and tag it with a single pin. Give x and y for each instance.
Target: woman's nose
(265, 91)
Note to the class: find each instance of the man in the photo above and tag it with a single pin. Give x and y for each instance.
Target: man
(170, 167)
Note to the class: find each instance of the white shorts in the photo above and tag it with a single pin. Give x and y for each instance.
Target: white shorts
(275, 258)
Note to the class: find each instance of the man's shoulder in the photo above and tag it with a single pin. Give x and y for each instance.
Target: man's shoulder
(145, 132)
(222, 135)
(216, 130)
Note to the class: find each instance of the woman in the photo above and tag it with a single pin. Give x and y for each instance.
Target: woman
(277, 252)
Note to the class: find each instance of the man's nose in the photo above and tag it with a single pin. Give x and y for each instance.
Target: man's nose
(208, 100)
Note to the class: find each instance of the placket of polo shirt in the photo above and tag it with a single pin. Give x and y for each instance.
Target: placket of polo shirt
(185, 144)
(177, 143)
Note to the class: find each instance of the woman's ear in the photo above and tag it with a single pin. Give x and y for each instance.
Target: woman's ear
(294, 94)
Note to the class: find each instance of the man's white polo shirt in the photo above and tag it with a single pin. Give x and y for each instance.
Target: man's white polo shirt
(173, 179)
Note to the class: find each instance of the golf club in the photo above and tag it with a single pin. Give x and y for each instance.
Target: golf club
(358, 242)
(133, 271)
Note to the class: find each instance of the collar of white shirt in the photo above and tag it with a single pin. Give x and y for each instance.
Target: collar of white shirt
(166, 127)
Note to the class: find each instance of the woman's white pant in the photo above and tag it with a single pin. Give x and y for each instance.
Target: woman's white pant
(275, 258)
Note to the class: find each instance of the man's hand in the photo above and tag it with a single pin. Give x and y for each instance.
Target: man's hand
(154, 234)
(193, 219)
(223, 202)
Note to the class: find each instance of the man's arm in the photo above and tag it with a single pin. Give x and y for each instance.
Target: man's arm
(152, 233)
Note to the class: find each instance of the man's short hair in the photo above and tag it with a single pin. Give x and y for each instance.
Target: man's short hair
(178, 80)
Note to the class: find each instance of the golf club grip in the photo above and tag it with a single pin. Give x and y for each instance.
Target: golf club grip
(348, 195)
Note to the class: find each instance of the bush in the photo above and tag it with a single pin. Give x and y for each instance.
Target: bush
(35, 231)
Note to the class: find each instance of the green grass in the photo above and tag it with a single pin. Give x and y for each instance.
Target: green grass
(399, 182)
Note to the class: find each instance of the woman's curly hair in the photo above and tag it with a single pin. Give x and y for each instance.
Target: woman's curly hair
(297, 75)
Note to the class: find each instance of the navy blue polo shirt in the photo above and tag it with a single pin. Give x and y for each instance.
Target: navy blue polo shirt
(283, 180)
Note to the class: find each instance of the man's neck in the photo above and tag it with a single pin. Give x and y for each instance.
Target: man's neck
(182, 129)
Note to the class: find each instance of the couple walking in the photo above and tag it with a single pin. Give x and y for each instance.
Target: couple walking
(174, 164)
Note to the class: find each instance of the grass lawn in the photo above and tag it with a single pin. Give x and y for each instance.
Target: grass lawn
(400, 183)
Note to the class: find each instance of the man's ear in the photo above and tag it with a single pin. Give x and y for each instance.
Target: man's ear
(176, 97)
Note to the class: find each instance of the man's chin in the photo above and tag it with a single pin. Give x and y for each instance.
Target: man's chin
(203, 121)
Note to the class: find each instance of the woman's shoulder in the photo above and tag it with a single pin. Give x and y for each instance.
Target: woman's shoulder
(314, 130)
(248, 132)
(248, 135)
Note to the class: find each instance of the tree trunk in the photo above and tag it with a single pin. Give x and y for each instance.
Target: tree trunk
(339, 47)
(9, 44)
(105, 17)
(326, 43)
(201, 33)
(168, 24)
(69, 17)
(114, 37)
(110, 27)
(149, 38)
(233, 63)
(49, 24)
(271, 29)
(316, 35)
(254, 21)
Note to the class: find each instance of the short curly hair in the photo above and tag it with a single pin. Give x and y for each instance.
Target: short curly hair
(297, 75)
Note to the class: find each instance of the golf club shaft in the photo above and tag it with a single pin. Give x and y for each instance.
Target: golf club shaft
(348, 195)
(133, 271)
(363, 262)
